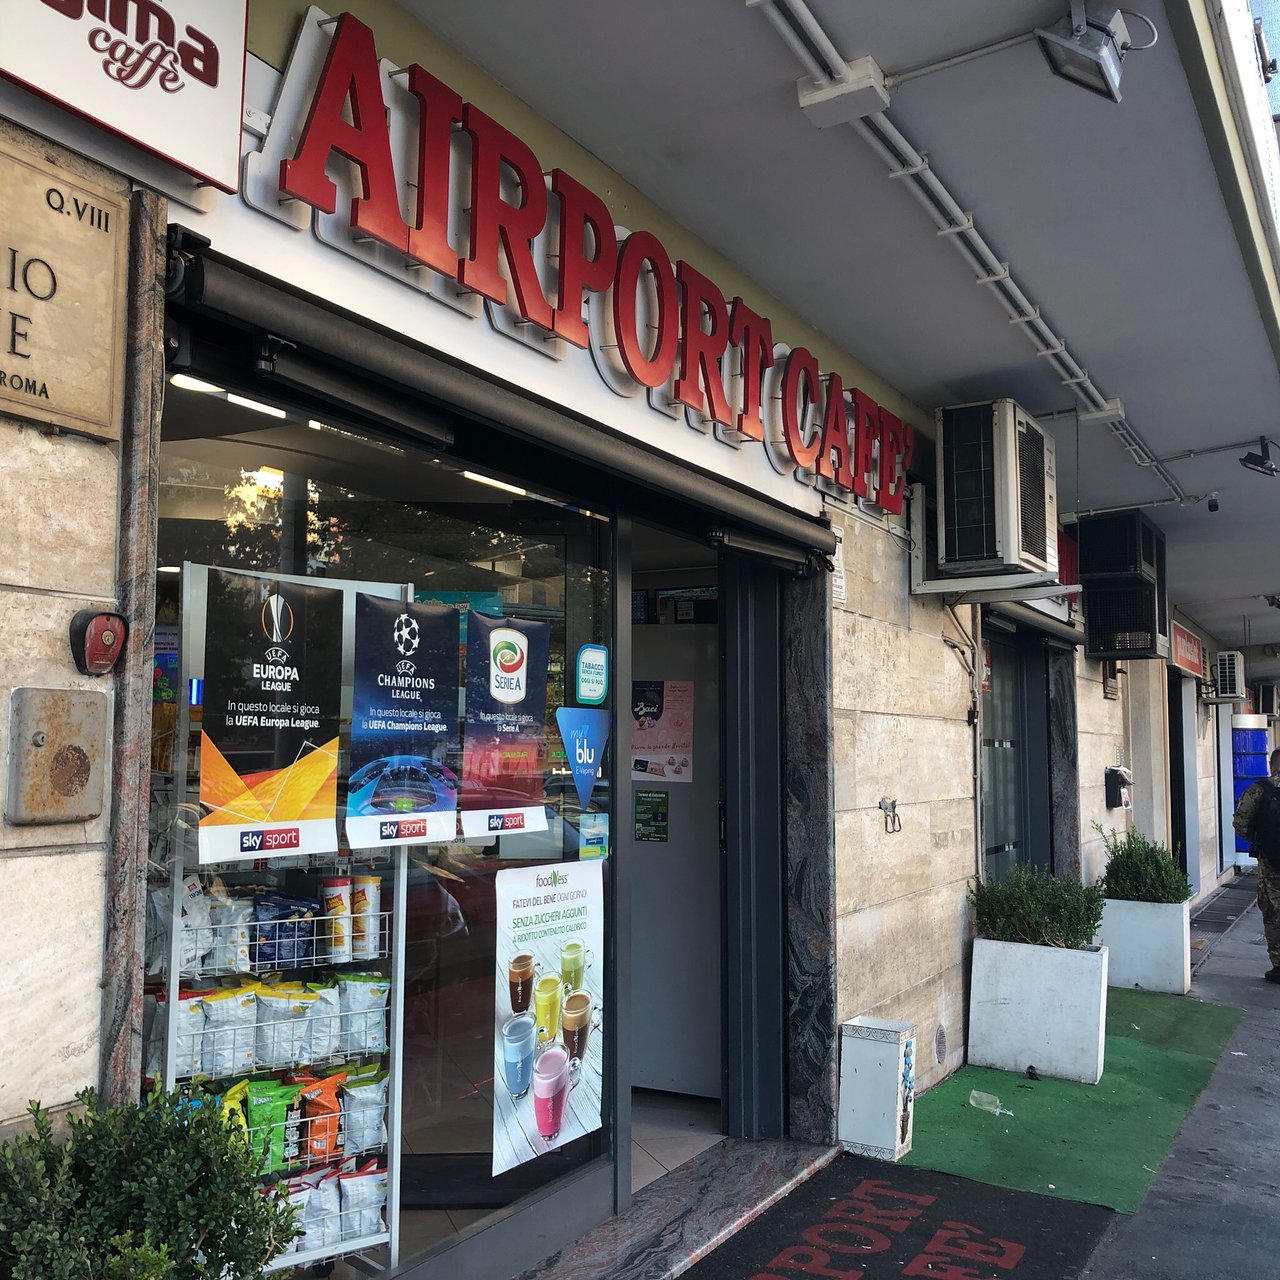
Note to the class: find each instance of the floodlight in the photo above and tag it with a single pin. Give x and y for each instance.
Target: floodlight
(1088, 47)
(1260, 461)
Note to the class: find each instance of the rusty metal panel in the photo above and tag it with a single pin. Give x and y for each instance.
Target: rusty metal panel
(57, 756)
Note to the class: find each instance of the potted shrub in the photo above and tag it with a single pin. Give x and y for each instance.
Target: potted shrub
(165, 1191)
(1038, 996)
(1146, 919)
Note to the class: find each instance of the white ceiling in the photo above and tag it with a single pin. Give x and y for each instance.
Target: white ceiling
(1110, 216)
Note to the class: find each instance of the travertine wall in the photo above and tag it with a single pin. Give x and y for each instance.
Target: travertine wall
(1101, 722)
(901, 703)
(59, 495)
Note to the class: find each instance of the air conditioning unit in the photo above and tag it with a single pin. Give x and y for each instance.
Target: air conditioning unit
(1228, 674)
(1268, 700)
(1121, 620)
(997, 491)
(1123, 563)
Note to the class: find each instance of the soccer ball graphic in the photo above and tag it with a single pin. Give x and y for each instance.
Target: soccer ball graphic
(405, 634)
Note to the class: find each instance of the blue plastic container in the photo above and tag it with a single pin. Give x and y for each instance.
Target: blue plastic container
(1249, 740)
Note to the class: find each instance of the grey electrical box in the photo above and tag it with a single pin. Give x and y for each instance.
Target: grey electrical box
(57, 756)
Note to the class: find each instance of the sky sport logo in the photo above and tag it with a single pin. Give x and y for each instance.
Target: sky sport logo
(402, 828)
(270, 840)
(506, 822)
(508, 665)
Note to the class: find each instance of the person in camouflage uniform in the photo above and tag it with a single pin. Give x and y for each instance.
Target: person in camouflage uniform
(1268, 873)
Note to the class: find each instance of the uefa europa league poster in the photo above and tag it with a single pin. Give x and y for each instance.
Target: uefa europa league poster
(269, 728)
(548, 1042)
(404, 717)
(504, 747)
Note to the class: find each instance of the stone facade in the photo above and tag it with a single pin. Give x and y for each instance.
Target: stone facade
(901, 699)
(60, 496)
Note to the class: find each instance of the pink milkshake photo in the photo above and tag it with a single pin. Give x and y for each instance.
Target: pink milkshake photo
(553, 1077)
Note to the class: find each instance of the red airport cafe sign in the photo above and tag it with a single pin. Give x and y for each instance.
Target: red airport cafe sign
(841, 439)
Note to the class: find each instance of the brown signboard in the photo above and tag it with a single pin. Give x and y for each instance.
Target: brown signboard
(63, 263)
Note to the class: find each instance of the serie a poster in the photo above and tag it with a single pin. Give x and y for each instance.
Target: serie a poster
(269, 728)
(404, 717)
(548, 1040)
(504, 744)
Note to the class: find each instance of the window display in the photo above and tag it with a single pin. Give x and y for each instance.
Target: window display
(362, 744)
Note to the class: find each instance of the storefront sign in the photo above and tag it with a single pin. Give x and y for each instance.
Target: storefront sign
(549, 1000)
(653, 809)
(662, 730)
(1186, 651)
(504, 747)
(403, 720)
(593, 674)
(585, 731)
(64, 241)
(474, 224)
(165, 74)
(269, 730)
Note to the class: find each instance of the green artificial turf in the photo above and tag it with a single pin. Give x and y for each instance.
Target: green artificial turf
(1100, 1144)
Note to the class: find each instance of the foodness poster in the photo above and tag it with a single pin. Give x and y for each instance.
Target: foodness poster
(269, 729)
(404, 717)
(548, 1039)
(662, 730)
(504, 742)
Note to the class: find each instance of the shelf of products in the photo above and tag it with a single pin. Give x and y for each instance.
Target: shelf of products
(273, 995)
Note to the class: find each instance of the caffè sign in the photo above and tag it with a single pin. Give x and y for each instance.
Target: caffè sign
(167, 75)
(63, 262)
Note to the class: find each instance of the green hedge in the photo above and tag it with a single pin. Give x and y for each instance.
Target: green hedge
(1139, 870)
(1033, 906)
(165, 1191)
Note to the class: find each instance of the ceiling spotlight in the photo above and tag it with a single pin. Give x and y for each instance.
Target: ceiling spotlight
(1260, 461)
(1213, 501)
(1088, 47)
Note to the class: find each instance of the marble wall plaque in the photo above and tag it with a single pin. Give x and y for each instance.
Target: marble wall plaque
(63, 270)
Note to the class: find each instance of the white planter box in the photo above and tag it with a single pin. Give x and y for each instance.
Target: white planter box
(1149, 944)
(877, 1087)
(1042, 1007)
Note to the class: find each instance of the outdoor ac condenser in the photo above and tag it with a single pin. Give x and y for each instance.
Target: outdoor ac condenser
(997, 491)
(1228, 674)
(1269, 700)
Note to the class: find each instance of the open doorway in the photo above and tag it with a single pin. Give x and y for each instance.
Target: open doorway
(673, 842)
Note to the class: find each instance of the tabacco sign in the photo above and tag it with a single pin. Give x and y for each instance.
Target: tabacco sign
(165, 74)
(390, 165)
(1186, 651)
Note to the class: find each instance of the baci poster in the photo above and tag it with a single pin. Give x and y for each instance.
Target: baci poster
(549, 1008)
(269, 730)
(403, 720)
(504, 744)
(662, 730)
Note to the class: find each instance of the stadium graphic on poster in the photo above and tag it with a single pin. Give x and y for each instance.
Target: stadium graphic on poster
(404, 720)
(504, 747)
(269, 728)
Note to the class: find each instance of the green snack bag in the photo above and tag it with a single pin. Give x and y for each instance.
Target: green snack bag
(274, 1112)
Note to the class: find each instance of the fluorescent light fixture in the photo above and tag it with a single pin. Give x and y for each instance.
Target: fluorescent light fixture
(186, 383)
(314, 425)
(496, 484)
(1260, 461)
(169, 568)
(1088, 47)
(256, 405)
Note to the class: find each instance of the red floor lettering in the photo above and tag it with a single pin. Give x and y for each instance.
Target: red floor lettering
(860, 1238)
(895, 1219)
(934, 1266)
(960, 1240)
(875, 1187)
(812, 1262)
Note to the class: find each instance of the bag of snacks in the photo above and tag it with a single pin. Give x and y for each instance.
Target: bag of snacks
(363, 1000)
(364, 1105)
(274, 1115)
(229, 1031)
(324, 1025)
(284, 931)
(284, 1010)
(364, 1195)
(322, 1124)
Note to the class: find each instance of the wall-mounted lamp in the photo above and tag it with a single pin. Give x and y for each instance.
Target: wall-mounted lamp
(1260, 461)
(1088, 47)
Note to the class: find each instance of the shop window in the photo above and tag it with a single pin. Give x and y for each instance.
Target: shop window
(267, 491)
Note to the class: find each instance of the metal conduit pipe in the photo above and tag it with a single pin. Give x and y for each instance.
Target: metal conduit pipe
(903, 159)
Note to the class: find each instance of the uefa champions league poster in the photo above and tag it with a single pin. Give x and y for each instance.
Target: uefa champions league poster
(403, 722)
